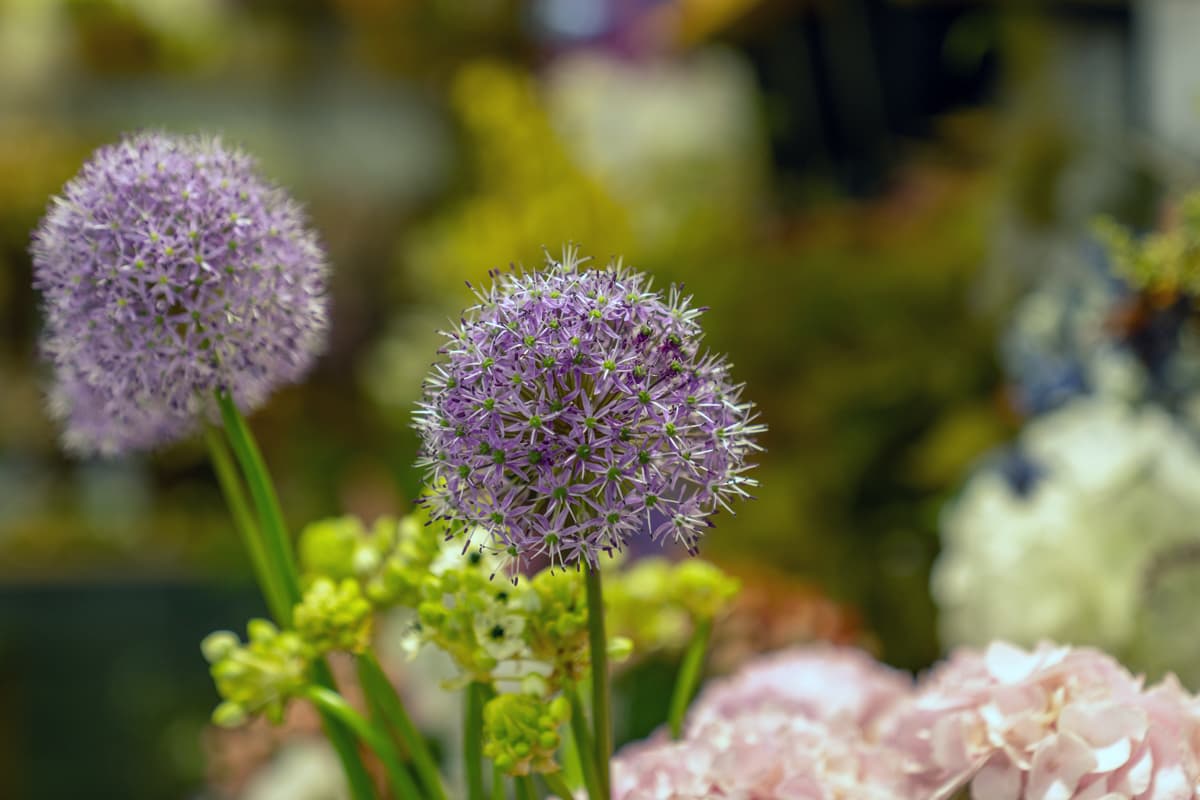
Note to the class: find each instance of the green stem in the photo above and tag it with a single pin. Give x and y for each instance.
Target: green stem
(497, 783)
(474, 697)
(235, 498)
(275, 547)
(601, 694)
(556, 784)
(342, 739)
(262, 491)
(583, 744)
(380, 691)
(525, 788)
(689, 676)
(335, 705)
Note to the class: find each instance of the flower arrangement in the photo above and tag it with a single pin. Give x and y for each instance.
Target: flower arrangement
(573, 417)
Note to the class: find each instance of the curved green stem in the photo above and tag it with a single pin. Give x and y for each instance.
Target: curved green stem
(274, 546)
(583, 744)
(381, 692)
(556, 784)
(335, 705)
(262, 490)
(689, 676)
(475, 695)
(342, 739)
(235, 498)
(601, 694)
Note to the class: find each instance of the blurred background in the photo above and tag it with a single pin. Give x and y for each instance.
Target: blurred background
(976, 428)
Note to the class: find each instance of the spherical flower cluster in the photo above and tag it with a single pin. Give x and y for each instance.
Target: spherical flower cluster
(1070, 537)
(1054, 722)
(521, 732)
(169, 269)
(575, 409)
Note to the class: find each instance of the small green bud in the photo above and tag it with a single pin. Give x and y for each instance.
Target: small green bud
(229, 715)
(218, 645)
(620, 648)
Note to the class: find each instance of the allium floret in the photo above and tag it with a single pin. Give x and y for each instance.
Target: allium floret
(575, 409)
(169, 269)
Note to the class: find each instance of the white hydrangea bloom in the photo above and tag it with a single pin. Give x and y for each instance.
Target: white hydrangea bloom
(1113, 491)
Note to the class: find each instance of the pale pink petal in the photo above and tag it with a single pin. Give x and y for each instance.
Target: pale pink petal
(1058, 765)
(998, 780)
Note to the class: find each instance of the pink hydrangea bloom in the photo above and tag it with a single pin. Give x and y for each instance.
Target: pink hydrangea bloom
(1054, 723)
(761, 756)
(839, 685)
(789, 725)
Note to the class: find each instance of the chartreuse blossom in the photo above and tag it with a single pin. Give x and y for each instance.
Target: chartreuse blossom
(521, 732)
(334, 616)
(391, 560)
(556, 630)
(657, 604)
(260, 676)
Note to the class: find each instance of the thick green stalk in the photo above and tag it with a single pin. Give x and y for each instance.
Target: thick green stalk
(689, 676)
(243, 519)
(582, 741)
(275, 547)
(474, 697)
(262, 491)
(601, 694)
(381, 692)
(525, 788)
(556, 784)
(335, 705)
(342, 739)
(497, 783)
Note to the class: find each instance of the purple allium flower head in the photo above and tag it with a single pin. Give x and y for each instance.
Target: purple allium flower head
(575, 409)
(169, 269)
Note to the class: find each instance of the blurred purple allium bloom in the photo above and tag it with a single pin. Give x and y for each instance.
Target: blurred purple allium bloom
(169, 269)
(575, 409)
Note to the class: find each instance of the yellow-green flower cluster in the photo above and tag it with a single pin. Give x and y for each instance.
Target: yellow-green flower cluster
(334, 616)
(472, 618)
(391, 560)
(259, 676)
(1165, 261)
(520, 732)
(555, 603)
(657, 603)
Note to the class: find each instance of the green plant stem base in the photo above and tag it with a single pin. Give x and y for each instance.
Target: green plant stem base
(601, 692)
